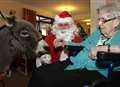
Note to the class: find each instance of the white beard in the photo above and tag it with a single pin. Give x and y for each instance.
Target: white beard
(65, 35)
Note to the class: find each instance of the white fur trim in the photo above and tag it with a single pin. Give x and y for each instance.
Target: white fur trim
(63, 56)
(63, 20)
(40, 46)
(38, 62)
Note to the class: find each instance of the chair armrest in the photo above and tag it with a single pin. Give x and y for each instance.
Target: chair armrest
(75, 49)
(108, 56)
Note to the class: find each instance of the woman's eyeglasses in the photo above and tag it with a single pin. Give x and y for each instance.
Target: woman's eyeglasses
(103, 20)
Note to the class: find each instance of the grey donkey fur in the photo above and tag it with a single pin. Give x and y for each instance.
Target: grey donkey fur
(19, 37)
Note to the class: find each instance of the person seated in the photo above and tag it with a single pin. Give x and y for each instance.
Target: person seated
(83, 69)
(52, 49)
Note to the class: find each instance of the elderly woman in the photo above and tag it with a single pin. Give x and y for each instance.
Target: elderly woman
(83, 69)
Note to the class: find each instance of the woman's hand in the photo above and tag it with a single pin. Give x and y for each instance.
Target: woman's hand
(93, 53)
(113, 49)
(94, 50)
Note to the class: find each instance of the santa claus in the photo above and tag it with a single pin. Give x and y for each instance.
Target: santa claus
(53, 49)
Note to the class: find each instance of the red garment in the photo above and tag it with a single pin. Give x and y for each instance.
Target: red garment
(56, 55)
(77, 39)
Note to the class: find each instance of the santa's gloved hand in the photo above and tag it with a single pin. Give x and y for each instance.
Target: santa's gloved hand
(44, 59)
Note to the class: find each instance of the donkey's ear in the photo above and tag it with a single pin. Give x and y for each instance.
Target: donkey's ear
(11, 20)
(7, 19)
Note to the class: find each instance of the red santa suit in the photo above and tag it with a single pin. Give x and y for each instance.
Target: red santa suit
(61, 35)
(50, 41)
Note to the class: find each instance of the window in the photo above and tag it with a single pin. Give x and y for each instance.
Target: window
(43, 24)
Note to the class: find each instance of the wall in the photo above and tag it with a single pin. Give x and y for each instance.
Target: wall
(6, 6)
(94, 4)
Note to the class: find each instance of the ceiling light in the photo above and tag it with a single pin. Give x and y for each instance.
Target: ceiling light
(66, 8)
(87, 20)
(88, 23)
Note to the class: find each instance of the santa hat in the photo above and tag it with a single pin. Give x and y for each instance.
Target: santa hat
(64, 17)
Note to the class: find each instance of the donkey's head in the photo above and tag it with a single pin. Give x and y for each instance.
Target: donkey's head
(16, 36)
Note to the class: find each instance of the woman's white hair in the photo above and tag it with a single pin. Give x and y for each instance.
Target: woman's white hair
(112, 9)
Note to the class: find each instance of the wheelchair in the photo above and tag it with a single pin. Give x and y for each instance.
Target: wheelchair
(104, 60)
(109, 60)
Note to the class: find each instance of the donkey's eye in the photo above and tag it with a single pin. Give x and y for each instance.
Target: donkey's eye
(24, 33)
